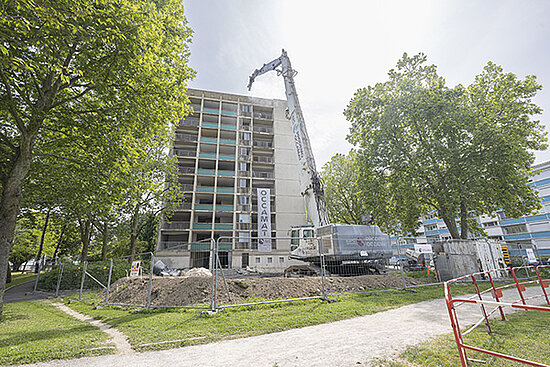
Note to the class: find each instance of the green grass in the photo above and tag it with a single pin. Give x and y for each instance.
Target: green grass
(526, 335)
(142, 326)
(18, 278)
(36, 331)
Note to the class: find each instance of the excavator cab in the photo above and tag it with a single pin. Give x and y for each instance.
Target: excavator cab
(303, 241)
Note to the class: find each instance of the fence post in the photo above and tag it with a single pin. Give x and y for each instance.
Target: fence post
(495, 294)
(150, 286)
(400, 262)
(323, 267)
(109, 283)
(543, 284)
(518, 286)
(82, 281)
(37, 275)
(59, 277)
(482, 305)
(216, 247)
(212, 266)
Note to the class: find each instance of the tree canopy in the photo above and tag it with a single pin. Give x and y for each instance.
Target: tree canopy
(459, 151)
(83, 82)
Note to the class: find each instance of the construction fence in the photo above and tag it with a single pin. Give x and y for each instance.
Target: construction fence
(231, 276)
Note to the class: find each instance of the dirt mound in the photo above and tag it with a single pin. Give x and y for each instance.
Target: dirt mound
(180, 291)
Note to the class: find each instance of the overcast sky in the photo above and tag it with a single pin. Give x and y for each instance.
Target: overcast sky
(340, 46)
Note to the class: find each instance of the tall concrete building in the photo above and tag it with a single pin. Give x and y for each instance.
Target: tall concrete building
(228, 148)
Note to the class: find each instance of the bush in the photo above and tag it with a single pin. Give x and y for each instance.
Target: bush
(72, 275)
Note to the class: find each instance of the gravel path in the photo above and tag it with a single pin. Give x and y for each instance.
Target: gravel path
(119, 340)
(342, 343)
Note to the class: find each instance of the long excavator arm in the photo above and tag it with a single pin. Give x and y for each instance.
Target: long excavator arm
(264, 69)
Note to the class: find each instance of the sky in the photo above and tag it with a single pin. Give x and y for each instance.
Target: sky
(338, 47)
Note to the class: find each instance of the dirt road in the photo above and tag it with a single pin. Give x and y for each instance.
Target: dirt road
(342, 343)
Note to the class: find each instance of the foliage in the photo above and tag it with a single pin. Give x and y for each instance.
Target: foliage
(35, 331)
(18, 278)
(84, 88)
(457, 151)
(351, 193)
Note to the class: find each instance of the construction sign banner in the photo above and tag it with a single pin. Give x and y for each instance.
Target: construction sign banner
(264, 220)
(134, 270)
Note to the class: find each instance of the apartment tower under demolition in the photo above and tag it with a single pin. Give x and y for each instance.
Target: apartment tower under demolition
(230, 146)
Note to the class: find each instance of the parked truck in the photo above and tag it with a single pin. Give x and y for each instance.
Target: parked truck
(345, 249)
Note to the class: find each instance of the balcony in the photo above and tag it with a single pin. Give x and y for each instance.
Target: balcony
(210, 110)
(259, 174)
(225, 173)
(263, 144)
(184, 153)
(189, 121)
(244, 226)
(211, 172)
(229, 113)
(183, 206)
(227, 157)
(207, 155)
(204, 207)
(263, 115)
(186, 137)
(196, 107)
(167, 245)
(262, 129)
(204, 189)
(212, 125)
(243, 207)
(262, 159)
(175, 226)
(224, 208)
(244, 127)
(225, 190)
(208, 140)
(186, 187)
(223, 226)
(203, 226)
(187, 170)
(228, 127)
(228, 141)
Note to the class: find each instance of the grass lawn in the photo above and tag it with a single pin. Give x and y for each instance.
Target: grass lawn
(36, 331)
(526, 335)
(18, 278)
(142, 326)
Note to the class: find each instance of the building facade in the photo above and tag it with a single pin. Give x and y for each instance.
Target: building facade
(519, 234)
(230, 146)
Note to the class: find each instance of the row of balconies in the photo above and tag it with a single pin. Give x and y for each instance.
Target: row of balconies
(208, 226)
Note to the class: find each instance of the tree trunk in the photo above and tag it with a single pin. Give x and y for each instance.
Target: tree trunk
(463, 221)
(133, 234)
(59, 243)
(10, 203)
(104, 234)
(42, 238)
(450, 222)
(85, 227)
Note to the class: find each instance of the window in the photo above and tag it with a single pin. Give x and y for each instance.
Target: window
(244, 218)
(308, 233)
(244, 151)
(246, 136)
(430, 227)
(295, 240)
(257, 260)
(242, 183)
(244, 236)
(244, 200)
(490, 224)
(269, 260)
(281, 259)
(518, 228)
(246, 108)
(243, 166)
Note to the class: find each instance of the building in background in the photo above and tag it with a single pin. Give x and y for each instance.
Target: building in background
(227, 148)
(519, 234)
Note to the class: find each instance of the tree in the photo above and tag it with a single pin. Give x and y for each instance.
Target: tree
(459, 151)
(350, 193)
(112, 67)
